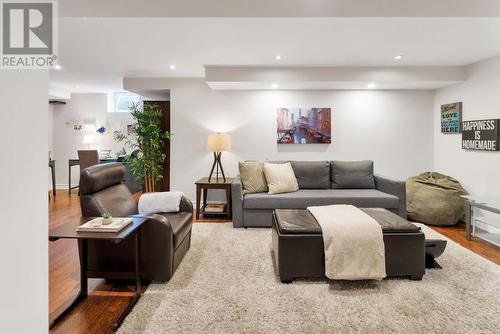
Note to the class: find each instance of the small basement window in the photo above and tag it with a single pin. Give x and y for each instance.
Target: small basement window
(124, 100)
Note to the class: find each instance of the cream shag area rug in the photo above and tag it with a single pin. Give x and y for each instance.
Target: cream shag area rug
(227, 283)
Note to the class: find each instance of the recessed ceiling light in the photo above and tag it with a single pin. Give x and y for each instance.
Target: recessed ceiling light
(57, 67)
(277, 57)
(172, 67)
(274, 85)
(77, 87)
(398, 57)
(371, 85)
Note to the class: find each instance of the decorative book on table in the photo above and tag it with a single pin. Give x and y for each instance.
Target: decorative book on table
(98, 225)
(215, 208)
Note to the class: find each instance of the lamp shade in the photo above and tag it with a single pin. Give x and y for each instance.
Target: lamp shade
(217, 142)
(88, 139)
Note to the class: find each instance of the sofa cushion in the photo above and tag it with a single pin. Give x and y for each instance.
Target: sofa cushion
(352, 175)
(252, 176)
(303, 198)
(280, 178)
(312, 174)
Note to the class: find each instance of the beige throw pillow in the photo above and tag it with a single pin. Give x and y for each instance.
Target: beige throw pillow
(252, 176)
(280, 178)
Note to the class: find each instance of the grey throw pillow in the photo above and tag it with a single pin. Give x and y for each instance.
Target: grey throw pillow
(312, 174)
(252, 176)
(352, 175)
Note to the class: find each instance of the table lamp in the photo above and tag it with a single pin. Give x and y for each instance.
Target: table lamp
(218, 142)
(88, 139)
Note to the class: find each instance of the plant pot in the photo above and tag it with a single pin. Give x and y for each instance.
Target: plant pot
(106, 221)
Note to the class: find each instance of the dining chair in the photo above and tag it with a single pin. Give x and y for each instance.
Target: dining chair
(88, 158)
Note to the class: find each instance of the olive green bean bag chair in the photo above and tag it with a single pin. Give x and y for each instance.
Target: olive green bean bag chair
(433, 198)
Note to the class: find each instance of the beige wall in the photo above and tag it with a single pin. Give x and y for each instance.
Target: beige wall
(66, 143)
(23, 201)
(479, 172)
(394, 128)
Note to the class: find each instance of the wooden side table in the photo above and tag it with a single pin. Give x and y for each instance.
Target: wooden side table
(68, 231)
(202, 186)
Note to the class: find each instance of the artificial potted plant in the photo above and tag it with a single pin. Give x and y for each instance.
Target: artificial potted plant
(107, 218)
(148, 138)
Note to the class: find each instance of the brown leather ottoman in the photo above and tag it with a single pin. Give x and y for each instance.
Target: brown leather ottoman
(299, 252)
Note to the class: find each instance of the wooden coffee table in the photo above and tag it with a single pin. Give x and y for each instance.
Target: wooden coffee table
(68, 231)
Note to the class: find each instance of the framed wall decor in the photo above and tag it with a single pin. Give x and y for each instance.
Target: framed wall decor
(481, 135)
(304, 126)
(451, 118)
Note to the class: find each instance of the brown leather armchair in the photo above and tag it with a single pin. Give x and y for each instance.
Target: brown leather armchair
(166, 237)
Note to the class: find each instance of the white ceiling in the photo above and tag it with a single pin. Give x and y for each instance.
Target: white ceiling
(96, 53)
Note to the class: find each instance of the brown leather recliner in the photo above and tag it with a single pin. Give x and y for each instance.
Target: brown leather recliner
(165, 237)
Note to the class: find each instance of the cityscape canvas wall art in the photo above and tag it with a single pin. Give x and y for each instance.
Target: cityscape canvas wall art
(304, 126)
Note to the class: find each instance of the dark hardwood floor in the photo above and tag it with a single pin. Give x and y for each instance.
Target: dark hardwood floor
(97, 313)
(478, 246)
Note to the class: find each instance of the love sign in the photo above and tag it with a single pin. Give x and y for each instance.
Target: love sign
(451, 117)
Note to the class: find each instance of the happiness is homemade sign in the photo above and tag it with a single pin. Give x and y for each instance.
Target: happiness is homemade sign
(480, 135)
(451, 117)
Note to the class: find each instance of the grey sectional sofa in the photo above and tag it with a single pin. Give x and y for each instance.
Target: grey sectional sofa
(321, 183)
